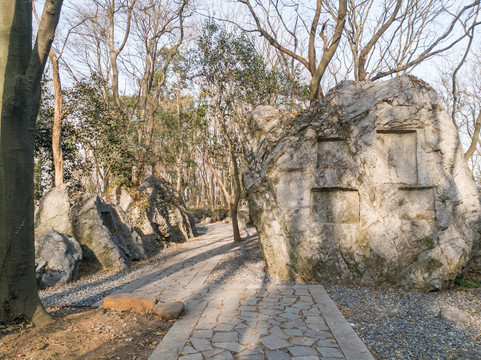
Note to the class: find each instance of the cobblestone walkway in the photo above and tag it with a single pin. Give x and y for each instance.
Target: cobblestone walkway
(244, 321)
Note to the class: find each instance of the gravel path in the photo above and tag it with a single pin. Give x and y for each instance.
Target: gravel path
(393, 324)
(92, 288)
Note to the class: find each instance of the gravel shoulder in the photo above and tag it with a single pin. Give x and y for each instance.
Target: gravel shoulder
(393, 324)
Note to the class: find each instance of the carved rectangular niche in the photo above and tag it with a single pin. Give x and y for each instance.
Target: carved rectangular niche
(332, 153)
(335, 205)
(416, 203)
(396, 160)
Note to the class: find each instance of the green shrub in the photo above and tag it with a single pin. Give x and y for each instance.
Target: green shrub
(466, 283)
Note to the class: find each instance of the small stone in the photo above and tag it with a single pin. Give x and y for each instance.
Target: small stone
(129, 302)
(41, 346)
(169, 311)
(455, 315)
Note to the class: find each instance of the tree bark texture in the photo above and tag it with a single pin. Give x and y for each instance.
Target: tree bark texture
(20, 74)
(57, 121)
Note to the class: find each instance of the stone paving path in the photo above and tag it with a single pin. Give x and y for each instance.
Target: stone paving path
(244, 321)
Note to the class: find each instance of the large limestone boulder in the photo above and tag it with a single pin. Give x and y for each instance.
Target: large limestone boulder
(104, 236)
(369, 186)
(157, 211)
(57, 259)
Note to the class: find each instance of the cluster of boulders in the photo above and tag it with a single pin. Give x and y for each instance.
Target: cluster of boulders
(127, 224)
(370, 186)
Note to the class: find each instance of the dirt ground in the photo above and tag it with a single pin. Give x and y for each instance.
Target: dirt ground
(82, 333)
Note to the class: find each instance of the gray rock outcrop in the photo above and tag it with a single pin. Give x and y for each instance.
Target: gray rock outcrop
(156, 210)
(106, 237)
(369, 186)
(112, 235)
(57, 259)
(54, 212)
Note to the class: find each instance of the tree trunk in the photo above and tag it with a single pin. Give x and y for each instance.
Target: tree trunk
(57, 121)
(178, 169)
(138, 175)
(235, 223)
(20, 74)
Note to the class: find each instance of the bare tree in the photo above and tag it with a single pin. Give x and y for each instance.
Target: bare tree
(273, 20)
(107, 22)
(159, 29)
(419, 31)
(59, 111)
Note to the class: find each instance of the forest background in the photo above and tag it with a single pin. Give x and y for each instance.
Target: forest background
(139, 87)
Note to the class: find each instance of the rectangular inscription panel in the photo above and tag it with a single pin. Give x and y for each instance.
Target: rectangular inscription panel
(396, 160)
(335, 205)
(416, 203)
(332, 153)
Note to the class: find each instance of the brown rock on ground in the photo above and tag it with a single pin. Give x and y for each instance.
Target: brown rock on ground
(129, 302)
(169, 311)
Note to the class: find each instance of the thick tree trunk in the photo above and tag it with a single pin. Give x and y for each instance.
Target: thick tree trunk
(57, 121)
(20, 75)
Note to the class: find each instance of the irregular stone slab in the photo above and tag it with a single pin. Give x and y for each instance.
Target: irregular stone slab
(369, 186)
(302, 340)
(197, 356)
(201, 344)
(330, 352)
(230, 345)
(301, 351)
(277, 355)
(129, 302)
(273, 342)
(225, 337)
(226, 355)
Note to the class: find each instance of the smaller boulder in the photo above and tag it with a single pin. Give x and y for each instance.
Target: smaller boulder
(129, 302)
(455, 315)
(57, 259)
(54, 212)
(170, 310)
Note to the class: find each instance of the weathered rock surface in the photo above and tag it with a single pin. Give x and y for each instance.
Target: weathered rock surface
(369, 186)
(169, 311)
(57, 259)
(156, 210)
(129, 302)
(112, 235)
(104, 236)
(54, 212)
